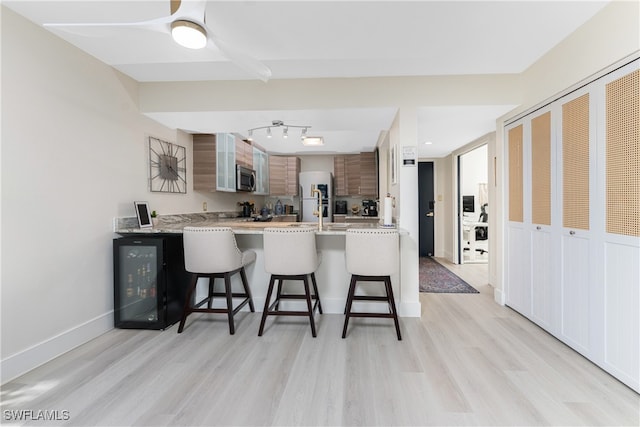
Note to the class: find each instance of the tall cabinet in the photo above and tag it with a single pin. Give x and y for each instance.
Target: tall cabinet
(573, 220)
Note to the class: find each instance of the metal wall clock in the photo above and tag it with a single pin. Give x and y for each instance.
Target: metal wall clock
(167, 167)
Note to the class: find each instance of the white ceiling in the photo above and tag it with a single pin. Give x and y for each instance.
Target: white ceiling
(313, 39)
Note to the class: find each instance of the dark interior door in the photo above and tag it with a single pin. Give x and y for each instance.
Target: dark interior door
(426, 207)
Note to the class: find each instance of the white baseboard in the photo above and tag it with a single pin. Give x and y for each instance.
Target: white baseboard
(498, 296)
(26, 360)
(410, 309)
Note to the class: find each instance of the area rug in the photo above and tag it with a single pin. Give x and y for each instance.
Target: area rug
(436, 278)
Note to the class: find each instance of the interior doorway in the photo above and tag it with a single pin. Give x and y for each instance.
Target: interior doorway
(426, 209)
(473, 206)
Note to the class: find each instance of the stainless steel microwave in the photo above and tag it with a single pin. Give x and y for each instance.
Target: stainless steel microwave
(245, 179)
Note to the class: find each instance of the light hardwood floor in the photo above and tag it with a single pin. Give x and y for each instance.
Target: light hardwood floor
(467, 361)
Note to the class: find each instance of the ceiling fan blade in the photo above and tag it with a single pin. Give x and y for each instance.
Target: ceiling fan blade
(162, 25)
(247, 63)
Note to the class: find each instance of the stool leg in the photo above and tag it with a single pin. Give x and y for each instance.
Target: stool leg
(212, 281)
(309, 306)
(247, 290)
(347, 310)
(278, 293)
(227, 286)
(315, 289)
(387, 282)
(265, 312)
(187, 303)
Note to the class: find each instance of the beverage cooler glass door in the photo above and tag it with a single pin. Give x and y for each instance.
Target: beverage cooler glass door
(138, 285)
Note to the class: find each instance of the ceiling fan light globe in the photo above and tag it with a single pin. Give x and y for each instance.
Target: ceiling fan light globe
(188, 34)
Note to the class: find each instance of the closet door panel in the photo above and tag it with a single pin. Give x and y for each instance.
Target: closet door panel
(519, 271)
(575, 292)
(544, 284)
(621, 296)
(577, 163)
(518, 289)
(620, 141)
(542, 280)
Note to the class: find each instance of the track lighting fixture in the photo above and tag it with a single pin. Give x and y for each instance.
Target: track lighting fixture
(277, 124)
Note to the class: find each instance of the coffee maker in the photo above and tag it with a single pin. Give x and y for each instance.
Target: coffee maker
(369, 208)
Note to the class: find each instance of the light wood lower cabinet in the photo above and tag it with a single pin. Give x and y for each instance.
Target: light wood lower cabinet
(573, 234)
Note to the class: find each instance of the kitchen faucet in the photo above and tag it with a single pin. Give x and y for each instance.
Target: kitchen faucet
(318, 212)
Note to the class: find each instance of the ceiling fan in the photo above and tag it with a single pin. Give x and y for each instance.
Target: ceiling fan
(186, 24)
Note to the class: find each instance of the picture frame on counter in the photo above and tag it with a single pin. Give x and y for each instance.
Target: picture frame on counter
(143, 214)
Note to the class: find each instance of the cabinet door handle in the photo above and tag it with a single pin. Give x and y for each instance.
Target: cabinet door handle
(572, 232)
(538, 227)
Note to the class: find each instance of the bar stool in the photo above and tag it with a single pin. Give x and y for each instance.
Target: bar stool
(372, 256)
(212, 252)
(290, 254)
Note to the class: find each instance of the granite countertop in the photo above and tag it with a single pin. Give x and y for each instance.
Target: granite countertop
(173, 224)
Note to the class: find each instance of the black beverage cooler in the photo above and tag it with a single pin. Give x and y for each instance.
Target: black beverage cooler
(149, 281)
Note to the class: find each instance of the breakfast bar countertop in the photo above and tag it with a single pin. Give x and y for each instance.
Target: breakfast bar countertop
(247, 227)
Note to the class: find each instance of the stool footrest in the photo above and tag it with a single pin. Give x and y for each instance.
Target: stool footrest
(370, 298)
(382, 315)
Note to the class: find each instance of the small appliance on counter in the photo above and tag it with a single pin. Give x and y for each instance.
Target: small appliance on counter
(369, 208)
(341, 207)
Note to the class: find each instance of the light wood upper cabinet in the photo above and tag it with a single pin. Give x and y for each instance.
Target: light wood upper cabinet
(339, 175)
(293, 169)
(283, 175)
(204, 162)
(352, 167)
(368, 174)
(356, 175)
(244, 153)
(215, 158)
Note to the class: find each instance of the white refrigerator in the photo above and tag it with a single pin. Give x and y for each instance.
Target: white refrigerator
(323, 181)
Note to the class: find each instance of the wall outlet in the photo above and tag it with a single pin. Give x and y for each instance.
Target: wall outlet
(204, 206)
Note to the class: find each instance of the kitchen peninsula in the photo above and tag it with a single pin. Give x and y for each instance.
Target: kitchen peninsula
(332, 276)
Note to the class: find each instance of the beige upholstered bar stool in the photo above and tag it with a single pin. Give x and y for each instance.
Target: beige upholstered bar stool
(372, 256)
(290, 254)
(212, 252)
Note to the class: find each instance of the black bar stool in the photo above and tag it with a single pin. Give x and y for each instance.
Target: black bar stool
(212, 252)
(290, 254)
(372, 256)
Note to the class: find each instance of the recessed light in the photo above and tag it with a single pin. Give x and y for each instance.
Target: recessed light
(313, 140)
(428, 143)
